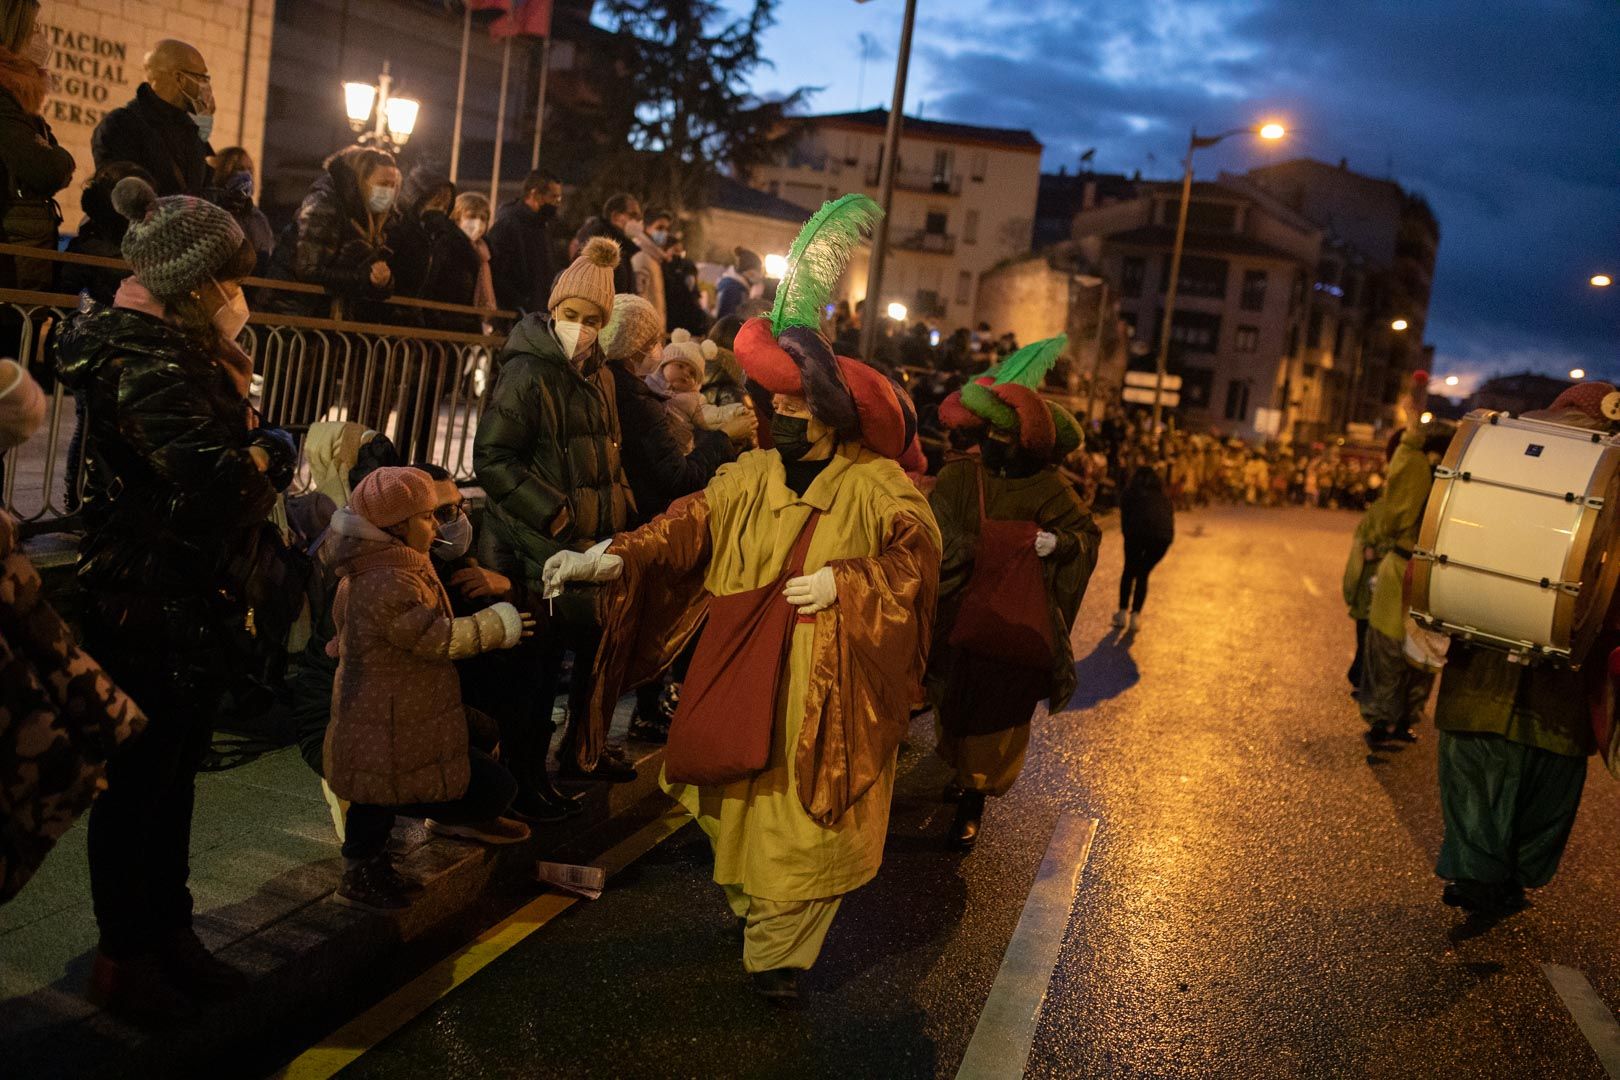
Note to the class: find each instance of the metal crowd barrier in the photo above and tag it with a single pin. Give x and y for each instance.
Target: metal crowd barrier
(424, 389)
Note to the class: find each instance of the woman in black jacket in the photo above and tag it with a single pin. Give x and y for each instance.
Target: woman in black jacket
(339, 239)
(1147, 518)
(230, 187)
(33, 168)
(433, 258)
(179, 482)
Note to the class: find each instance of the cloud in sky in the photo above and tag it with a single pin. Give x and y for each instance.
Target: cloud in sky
(1501, 113)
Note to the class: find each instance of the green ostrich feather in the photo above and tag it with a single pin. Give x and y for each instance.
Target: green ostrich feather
(1028, 366)
(818, 257)
(980, 401)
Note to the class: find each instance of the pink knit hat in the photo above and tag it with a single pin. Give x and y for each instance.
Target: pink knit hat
(388, 496)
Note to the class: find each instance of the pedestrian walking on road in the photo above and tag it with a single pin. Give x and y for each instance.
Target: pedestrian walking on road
(1514, 739)
(178, 484)
(399, 741)
(1015, 532)
(1147, 523)
(784, 745)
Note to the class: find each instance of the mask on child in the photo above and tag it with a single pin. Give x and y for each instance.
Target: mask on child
(473, 227)
(380, 199)
(232, 315)
(453, 539)
(575, 338)
(240, 182)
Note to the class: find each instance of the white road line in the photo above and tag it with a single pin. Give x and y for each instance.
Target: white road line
(1591, 1015)
(1310, 585)
(1006, 1029)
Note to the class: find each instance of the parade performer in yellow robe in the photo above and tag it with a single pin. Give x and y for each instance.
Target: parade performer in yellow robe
(806, 826)
(983, 704)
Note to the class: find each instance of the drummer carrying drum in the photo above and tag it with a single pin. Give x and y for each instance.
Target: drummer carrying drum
(1514, 738)
(1393, 692)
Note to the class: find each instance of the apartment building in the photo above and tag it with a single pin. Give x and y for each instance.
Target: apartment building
(964, 200)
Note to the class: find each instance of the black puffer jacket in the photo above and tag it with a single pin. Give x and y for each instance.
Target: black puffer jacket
(172, 494)
(157, 136)
(549, 443)
(1145, 509)
(657, 470)
(433, 259)
(521, 263)
(332, 244)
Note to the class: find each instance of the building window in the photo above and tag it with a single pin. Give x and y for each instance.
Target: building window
(970, 227)
(981, 166)
(852, 149)
(943, 162)
(1254, 290)
(935, 222)
(1237, 400)
(1195, 331)
(928, 304)
(1131, 270)
(1313, 331)
(1247, 339)
(1200, 276)
(964, 287)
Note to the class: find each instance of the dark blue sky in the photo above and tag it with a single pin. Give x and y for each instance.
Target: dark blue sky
(1503, 114)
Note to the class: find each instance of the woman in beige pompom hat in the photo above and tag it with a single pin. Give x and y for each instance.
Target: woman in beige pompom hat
(548, 456)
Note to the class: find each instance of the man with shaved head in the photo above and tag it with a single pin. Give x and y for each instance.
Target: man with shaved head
(165, 129)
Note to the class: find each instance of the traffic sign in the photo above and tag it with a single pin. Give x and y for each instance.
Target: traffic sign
(1150, 379)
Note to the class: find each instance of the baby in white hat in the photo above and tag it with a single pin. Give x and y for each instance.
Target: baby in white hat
(680, 379)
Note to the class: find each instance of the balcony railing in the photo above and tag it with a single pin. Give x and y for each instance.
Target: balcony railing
(922, 240)
(925, 180)
(424, 389)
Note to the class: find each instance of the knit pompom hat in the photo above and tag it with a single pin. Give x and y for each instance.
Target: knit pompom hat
(693, 355)
(389, 495)
(589, 277)
(633, 329)
(176, 243)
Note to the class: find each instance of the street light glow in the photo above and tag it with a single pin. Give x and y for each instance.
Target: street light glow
(1272, 131)
(402, 117)
(1398, 325)
(1452, 380)
(1602, 281)
(358, 98)
(1426, 418)
(775, 266)
(897, 312)
(1577, 373)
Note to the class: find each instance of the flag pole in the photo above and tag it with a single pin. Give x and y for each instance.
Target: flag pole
(461, 92)
(500, 125)
(540, 103)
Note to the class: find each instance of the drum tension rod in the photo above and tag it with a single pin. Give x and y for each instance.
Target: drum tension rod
(1594, 502)
(1573, 588)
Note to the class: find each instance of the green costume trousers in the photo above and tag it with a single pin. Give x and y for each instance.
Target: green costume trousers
(1508, 808)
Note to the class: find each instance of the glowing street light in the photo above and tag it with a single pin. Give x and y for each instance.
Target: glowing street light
(897, 312)
(1452, 380)
(1601, 281)
(1398, 325)
(1577, 374)
(775, 266)
(1270, 131)
(395, 116)
(1426, 418)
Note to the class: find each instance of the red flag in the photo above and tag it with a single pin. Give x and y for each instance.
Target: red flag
(527, 17)
(485, 5)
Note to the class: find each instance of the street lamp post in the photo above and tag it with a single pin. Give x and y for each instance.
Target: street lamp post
(1195, 142)
(891, 156)
(395, 116)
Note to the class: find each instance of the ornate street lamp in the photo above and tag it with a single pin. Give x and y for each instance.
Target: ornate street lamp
(390, 119)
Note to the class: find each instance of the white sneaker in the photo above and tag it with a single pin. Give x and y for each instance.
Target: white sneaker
(1136, 620)
(339, 808)
(1121, 617)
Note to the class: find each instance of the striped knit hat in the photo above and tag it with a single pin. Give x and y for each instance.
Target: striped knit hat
(176, 243)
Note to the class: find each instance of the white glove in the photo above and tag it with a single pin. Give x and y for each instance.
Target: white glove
(1045, 544)
(813, 592)
(594, 564)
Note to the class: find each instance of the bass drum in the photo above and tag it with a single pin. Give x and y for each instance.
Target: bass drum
(1518, 536)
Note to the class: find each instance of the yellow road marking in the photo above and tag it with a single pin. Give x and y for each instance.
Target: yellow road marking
(351, 1041)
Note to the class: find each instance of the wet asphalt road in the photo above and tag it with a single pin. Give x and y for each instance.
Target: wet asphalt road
(1259, 901)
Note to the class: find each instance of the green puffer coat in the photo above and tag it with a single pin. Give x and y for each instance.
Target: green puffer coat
(1393, 522)
(547, 452)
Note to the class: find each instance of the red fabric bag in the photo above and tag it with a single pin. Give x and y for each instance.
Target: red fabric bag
(1004, 613)
(721, 732)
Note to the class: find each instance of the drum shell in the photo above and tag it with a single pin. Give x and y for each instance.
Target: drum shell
(1494, 523)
